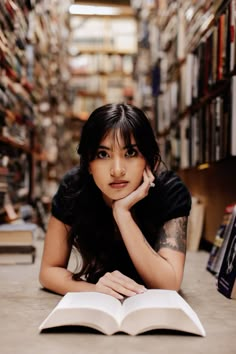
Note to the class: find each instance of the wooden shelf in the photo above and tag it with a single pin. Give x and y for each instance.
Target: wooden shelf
(91, 94)
(216, 187)
(208, 25)
(207, 117)
(40, 156)
(217, 90)
(24, 147)
(98, 50)
(81, 116)
(78, 73)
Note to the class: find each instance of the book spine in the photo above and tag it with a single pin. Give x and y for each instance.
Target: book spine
(232, 35)
(17, 254)
(220, 64)
(227, 273)
(233, 117)
(219, 238)
(222, 250)
(218, 112)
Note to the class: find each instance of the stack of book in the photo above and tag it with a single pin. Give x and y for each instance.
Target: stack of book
(17, 243)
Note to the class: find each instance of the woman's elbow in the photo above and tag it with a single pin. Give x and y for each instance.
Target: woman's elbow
(176, 287)
(41, 278)
(168, 283)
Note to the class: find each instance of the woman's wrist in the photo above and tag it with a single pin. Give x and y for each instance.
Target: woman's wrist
(121, 215)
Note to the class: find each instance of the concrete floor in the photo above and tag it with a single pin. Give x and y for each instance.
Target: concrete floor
(24, 305)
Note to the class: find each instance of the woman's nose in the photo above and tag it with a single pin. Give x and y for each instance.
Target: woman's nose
(117, 169)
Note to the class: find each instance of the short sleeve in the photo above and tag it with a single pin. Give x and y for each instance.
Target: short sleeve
(63, 202)
(175, 197)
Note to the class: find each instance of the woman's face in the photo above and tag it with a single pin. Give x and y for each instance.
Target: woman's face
(117, 169)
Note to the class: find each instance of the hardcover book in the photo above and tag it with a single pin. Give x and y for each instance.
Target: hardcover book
(154, 309)
(17, 254)
(17, 234)
(227, 274)
(233, 117)
(219, 238)
(227, 237)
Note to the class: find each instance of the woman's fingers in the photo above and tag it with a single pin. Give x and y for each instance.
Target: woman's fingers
(118, 285)
(138, 194)
(128, 282)
(112, 286)
(148, 179)
(148, 175)
(106, 290)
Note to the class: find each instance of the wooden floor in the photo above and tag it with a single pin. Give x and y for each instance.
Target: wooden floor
(24, 305)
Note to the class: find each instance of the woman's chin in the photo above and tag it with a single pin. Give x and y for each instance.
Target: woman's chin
(112, 198)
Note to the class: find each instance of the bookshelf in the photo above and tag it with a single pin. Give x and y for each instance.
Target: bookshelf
(33, 81)
(190, 67)
(101, 61)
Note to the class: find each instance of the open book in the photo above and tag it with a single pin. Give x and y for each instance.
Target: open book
(154, 309)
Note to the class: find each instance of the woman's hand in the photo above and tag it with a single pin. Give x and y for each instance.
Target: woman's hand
(118, 285)
(138, 194)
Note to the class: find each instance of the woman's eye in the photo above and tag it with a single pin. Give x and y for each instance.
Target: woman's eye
(102, 154)
(131, 152)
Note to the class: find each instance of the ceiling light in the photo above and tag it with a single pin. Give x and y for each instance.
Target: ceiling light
(94, 10)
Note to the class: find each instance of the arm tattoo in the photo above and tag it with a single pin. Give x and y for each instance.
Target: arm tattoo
(173, 235)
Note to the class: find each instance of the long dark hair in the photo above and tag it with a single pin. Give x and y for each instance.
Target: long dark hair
(91, 234)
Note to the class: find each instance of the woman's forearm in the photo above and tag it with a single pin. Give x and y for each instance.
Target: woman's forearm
(60, 281)
(155, 270)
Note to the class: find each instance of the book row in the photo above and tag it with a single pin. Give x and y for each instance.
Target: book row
(102, 34)
(32, 62)
(101, 63)
(204, 134)
(202, 73)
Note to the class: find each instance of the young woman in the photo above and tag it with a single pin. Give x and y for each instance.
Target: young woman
(127, 219)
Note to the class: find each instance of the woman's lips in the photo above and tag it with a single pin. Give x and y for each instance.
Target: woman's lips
(118, 184)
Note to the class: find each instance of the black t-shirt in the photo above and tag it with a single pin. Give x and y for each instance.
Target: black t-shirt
(169, 199)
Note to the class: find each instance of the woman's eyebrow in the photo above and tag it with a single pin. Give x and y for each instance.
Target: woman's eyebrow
(130, 146)
(104, 147)
(124, 147)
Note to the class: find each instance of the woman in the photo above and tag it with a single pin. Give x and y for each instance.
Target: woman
(127, 220)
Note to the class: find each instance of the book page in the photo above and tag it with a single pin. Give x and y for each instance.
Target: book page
(155, 309)
(150, 299)
(91, 309)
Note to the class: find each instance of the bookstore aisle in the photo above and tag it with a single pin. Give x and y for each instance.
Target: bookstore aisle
(174, 59)
(56, 67)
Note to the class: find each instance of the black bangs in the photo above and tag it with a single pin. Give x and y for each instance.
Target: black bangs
(122, 131)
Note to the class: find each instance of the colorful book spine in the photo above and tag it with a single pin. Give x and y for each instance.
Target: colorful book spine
(227, 275)
(219, 238)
